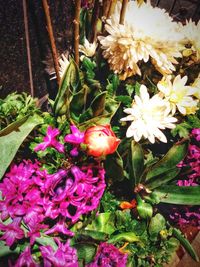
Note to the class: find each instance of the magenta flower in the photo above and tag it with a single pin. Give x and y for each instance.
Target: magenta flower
(64, 256)
(13, 232)
(108, 255)
(60, 227)
(51, 141)
(25, 259)
(76, 137)
(196, 133)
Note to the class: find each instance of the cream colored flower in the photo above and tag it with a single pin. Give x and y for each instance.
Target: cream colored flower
(196, 85)
(149, 116)
(148, 33)
(88, 49)
(179, 95)
(63, 64)
(191, 32)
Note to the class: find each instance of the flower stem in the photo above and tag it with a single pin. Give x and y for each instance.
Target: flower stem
(123, 11)
(76, 30)
(52, 40)
(95, 17)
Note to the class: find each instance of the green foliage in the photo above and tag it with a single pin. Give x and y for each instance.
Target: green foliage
(68, 88)
(184, 195)
(13, 138)
(15, 107)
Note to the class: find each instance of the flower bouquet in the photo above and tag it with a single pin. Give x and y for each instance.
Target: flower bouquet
(107, 173)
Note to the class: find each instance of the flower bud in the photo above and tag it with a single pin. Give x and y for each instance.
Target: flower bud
(100, 141)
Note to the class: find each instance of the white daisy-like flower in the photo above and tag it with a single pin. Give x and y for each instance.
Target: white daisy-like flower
(179, 94)
(88, 49)
(149, 116)
(148, 33)
(191, 32)
(196, 85)
(63, 64)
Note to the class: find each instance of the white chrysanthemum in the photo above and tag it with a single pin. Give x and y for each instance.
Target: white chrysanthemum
(196, 85)
(63, 64)
(148, 116)
(88, 49)
(191, 32)
(148, 33)
(179, 95)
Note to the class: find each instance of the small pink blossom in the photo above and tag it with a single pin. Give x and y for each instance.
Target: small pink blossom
(13, 232)
(51, 141)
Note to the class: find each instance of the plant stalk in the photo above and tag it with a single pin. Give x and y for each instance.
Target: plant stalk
(123, 11)
(52, 40)
(76, 30)
(28, 46)
(95, 16)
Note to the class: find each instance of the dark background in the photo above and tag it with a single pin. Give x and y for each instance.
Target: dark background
(14, 75)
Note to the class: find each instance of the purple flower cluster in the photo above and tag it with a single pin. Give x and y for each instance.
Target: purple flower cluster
(183, 216)
(107, 256)
(192, 160)
(64, 256)
(31, 196)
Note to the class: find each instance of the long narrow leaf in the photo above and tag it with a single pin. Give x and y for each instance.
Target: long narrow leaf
(137, 161)
(180, 195)
(169, 161)
(186, 244)
(162, 179)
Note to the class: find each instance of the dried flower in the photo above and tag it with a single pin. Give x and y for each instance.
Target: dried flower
(100, 140)
(179, 95)
(51, 141)
(148, 116)
(141, 38)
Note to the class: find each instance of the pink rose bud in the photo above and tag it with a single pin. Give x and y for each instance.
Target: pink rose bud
(100, 140)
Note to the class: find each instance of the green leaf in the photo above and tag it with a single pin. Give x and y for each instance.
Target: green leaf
(127, 236)
(94, 234)
(67, 88)
(162, 179)
(5, 250)
(169, 161)
(98, 104)
(186, 244)
(13, 126)
(10, 143)
(114, 167)
(144, 209)
(46, 240)
(104, 222)
(180, 195)
(137, 161)
(157, 223)
(85, 251)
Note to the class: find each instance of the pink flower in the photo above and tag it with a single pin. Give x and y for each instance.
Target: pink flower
(25, 259)
(196, 133)
(76, 137)
(100, 141)
(108, 255)
(60, 227)
(64, 256)
(13, 232)
(51, 141)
